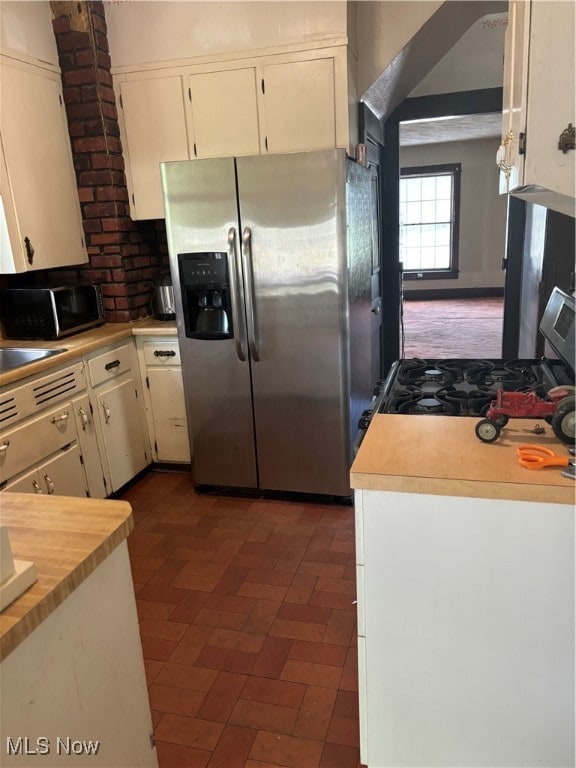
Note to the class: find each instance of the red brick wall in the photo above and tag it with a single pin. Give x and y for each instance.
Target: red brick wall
(125, 256)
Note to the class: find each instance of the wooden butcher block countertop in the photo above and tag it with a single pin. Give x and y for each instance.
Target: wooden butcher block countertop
(82, 344)
(66, 538)
(442, 455)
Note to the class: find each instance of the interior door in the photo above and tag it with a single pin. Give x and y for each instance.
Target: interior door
(294, 208)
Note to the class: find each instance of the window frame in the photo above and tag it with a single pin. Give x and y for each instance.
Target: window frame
(455, 170)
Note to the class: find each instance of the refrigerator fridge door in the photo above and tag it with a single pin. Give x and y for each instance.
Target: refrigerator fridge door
(202, 220)
(293, 217)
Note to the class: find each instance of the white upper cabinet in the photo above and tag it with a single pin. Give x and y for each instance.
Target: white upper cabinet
(154, 131)
(37, 183)
(224, 113)
(288, 102)
(539, 111)
(298, 111)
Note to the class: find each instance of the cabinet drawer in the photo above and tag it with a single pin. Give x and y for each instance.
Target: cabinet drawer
(110, 365)
(164, 353)
(29, 444)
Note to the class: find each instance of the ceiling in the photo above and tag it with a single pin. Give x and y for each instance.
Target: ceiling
(442, 129)
(474, 61)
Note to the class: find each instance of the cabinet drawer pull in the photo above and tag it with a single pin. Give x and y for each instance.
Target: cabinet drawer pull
(83, 418)
(164, 353)
(62, 417)
(4, 447)
(36, 487)
(107, 412)
(113, 364)
(49, 484)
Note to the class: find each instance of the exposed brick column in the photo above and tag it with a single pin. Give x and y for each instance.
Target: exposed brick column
(124, 255)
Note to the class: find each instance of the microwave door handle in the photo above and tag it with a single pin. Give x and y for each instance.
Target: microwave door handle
(249, 277)
(55, 315)
(236, 296)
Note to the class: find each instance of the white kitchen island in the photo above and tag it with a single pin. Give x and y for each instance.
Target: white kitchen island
(465, 564)
(73, 686)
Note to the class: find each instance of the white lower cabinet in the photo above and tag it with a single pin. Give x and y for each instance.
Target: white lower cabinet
(164, 399)
(466, 631)
(41, 454)
(88, 441)
(119, 417)
(62, 475)
(79, 430)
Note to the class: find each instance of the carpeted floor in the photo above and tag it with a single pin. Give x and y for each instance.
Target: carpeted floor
(442, 328)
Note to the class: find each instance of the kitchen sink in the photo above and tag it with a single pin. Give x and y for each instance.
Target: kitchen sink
(16, 357)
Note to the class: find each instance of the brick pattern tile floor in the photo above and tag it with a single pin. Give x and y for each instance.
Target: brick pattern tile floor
(248, 624)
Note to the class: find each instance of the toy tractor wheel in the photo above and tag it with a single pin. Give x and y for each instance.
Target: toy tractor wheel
(487, 430)
(501, 420)
(564, 420)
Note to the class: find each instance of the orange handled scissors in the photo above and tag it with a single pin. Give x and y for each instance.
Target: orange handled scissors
(538, 456)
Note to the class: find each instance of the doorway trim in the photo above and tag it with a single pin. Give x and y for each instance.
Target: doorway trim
(438, 105)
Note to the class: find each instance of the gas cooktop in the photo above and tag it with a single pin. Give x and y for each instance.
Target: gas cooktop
(462, 387)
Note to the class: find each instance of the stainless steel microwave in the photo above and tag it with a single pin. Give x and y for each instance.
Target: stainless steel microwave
(50, 313)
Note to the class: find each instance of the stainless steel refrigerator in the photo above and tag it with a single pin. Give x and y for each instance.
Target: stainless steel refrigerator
(271, 262)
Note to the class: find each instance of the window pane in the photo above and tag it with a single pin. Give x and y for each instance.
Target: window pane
(443, 208)
(413, 212)
(429, 211)
(427, 258)
(429, 188)
(444, 188)
(402, 191)
(443, 257)
(413, 188)
(413, 237)
(443, 234)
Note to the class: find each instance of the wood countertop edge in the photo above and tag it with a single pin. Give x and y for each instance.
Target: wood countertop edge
(13, 635)
(478, 489)
(81, 344)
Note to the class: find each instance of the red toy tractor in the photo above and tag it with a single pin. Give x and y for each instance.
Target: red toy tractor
(558, 410)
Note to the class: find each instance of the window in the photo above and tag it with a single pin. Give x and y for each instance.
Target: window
(429, 216)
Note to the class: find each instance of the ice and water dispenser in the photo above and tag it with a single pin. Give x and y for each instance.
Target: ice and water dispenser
(206, 302)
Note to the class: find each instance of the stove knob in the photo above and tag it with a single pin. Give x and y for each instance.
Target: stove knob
(365, 419)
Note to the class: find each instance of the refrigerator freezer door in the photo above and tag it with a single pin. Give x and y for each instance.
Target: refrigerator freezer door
(201, 211)
(292, 211)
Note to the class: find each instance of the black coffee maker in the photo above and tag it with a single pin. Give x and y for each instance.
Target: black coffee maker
(206, 303)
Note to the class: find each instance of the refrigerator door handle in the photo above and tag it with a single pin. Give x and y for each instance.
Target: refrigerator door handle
(249, 278)
(237, 296)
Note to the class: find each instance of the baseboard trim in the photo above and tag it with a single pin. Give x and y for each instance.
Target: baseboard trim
(453, 293)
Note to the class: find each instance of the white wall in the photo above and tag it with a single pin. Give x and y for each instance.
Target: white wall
(384, 28)
(167, 30)
(482, 212)
(476, 61)
(26, 28)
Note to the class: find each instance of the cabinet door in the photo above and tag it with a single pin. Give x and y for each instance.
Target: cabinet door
(298, 106)
(123, 437)
(28, 483)
(41, 182)
(154, 132)
(225, 113)
(168, 415)
(551, 99)
(63, 475)
(89, 447)
(515, 84)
